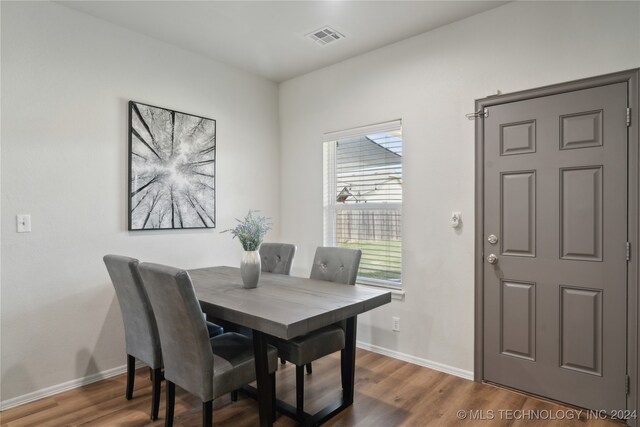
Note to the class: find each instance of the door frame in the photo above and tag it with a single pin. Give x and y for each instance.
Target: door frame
(632, 78)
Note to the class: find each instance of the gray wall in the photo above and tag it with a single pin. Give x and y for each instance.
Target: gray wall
(430, 81)
(66, 80)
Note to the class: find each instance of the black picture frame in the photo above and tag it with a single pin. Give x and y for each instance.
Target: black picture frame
(172, 169)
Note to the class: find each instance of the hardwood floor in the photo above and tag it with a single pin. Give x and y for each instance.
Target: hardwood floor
(389, 392)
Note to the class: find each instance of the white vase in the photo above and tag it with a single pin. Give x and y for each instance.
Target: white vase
(250, 268)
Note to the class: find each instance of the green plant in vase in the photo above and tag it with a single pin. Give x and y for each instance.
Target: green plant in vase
(251, 231)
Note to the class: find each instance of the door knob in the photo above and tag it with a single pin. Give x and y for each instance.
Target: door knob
(492, 259)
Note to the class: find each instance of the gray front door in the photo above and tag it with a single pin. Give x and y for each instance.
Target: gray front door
(555, 189)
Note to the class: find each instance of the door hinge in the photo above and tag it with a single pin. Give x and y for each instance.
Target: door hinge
(628, 251)
(627, 385)
(628, 116)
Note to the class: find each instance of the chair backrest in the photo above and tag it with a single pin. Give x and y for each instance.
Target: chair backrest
(338, 265)
(140, 329)
(277, 257)
(186, 349)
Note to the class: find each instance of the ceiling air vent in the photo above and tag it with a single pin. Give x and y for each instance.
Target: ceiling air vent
(325, 36)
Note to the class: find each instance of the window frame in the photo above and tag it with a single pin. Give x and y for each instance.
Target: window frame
(331, 206)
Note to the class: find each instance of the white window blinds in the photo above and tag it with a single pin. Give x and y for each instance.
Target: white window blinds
(363, 198)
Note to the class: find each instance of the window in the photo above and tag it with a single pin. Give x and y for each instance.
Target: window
(363, 199)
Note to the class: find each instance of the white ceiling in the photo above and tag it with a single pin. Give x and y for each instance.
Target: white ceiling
(268, 37)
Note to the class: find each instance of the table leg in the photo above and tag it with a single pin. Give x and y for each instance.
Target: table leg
(266, 395)
(348, 362)
(348, 370)
(263, 378)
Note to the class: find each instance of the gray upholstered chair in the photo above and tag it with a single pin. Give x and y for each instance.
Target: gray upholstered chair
(140, 330)
(141, 333)
(277, 257)
(203, 366)
(339, 265)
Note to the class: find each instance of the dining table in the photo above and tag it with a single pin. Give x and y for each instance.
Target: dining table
(286, 307)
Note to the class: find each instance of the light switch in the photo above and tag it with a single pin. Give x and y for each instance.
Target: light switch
(23, 223)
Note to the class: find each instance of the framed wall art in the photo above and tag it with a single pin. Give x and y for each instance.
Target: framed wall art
(172, 169)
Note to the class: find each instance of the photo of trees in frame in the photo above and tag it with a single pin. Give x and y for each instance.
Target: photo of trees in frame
(172, 169)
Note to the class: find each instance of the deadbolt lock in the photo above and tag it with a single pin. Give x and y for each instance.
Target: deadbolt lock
(492, 259)
(493, 239)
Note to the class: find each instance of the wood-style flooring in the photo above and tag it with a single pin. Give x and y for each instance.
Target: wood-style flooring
(389, 393)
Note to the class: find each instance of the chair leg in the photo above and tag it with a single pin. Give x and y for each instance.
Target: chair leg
(171, 401)
(234, 395)
(273, 397)
(300, 389)
(282, 361)
(156, 378)
(343, 370)
(309, 369)
(207, 414)
(131, 375)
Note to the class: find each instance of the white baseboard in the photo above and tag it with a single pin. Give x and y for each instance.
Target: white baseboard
(69, 385)
(79, 382)
(437, 366)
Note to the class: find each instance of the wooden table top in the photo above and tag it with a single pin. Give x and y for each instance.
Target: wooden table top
(282, 306)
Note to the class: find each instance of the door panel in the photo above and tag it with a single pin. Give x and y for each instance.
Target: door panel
(581, 130)
(518, 138)
(518, 306)
(518, 201)
(581, 330)
(555, 188)
(581, 213)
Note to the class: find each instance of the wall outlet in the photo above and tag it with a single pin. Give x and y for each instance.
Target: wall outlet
(396, 323)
